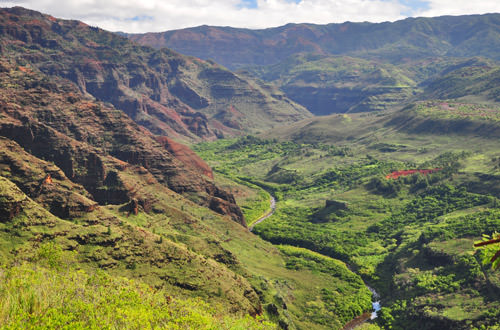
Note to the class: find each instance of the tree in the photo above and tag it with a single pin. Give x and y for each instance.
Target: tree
(491, 250)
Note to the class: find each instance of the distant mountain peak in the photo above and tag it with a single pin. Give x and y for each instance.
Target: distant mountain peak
(387, 41)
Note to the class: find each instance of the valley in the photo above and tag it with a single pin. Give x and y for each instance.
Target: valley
(273, 184)
(411, 237)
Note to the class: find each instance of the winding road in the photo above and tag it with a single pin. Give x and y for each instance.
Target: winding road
(267, 215)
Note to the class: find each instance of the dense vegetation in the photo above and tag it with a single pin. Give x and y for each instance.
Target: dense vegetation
(348, 300)
(411, 237)
(51, 292)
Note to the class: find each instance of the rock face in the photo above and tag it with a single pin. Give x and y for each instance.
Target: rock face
(89, 145)
(92, 102)
(11, 201)
(43, 182)
(222, 206)
(168, 93)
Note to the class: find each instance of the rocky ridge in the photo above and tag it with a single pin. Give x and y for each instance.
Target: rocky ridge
(170, 94)
(92, 144)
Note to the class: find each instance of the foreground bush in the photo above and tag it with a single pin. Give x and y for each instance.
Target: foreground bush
(33, 296)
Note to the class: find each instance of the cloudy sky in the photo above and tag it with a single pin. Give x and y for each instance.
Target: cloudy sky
(161, 15)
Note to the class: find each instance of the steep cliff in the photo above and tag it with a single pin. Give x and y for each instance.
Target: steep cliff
(92, 143)
(82, 175)
(168, 93)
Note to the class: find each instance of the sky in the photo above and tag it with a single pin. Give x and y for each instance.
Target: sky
(139, 16)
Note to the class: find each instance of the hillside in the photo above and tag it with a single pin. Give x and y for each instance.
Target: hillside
(355, 67)
(168, 93)
(331, 84)
(95, 300)
(92, 143)
(90, 193)
(327, 84)
(442, 118)
(397, 42)
(475, 79)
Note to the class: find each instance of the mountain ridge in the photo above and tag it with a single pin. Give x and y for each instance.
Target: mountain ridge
(168, 93)
(400, 40)
(351, 67)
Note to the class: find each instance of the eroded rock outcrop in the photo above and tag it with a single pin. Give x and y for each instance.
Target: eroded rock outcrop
(162, 90)
(92, 143)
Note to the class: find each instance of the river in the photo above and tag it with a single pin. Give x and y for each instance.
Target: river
(356, 322)
(267, 215)
(375, 296)
(375, 302)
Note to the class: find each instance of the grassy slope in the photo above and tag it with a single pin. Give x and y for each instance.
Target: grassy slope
(180, 247)
(475, 77)
(44, 295)
(389, 252)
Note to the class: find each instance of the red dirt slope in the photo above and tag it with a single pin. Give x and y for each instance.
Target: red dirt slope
(397, 174)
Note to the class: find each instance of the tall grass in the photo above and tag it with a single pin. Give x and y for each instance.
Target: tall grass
(33, 296)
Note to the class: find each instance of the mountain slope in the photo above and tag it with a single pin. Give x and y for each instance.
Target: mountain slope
(170, 94)
(103, 240)
(88, 140)
(412, 38)
(80, 180)
(355, 67)
(475, 78)
(446, 120)
(331, 84)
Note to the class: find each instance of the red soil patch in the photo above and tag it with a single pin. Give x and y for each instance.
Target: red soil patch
(234, 111)
(24, 69)
(186, 155)
(47, 180)
(397, 174)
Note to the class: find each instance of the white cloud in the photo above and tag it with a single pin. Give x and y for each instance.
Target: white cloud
(460, 7)
(161, 15)
(173, 14)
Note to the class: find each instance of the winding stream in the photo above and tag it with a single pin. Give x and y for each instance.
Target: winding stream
(375, 302)
(356, 322)
(267, 215)
(375, 296)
